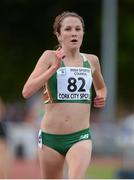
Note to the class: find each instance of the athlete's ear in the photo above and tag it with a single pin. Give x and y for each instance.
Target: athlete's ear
(58, 36)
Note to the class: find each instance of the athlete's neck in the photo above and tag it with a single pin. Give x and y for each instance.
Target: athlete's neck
(72, 55)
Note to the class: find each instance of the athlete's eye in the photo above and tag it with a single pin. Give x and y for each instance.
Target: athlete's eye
(67, 29)
(78, 29)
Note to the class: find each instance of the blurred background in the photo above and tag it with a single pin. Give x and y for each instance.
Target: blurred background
(25, 33)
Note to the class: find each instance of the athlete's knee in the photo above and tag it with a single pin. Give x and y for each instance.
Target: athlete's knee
(57, 174)
(77, 173)
(78, 168)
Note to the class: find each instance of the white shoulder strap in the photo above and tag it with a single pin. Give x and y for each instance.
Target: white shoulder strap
(84, 57)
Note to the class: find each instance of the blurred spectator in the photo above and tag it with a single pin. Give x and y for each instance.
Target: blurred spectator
(125, 141)
(15, 112)
(22, 135)
(3, 142)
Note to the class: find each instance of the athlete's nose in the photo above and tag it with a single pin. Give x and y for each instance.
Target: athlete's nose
(74, 33)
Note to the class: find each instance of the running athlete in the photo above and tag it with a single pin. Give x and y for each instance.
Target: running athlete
(67, 75)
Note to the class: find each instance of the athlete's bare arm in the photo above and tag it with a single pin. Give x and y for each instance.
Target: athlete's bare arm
(46, 66)
(98, 82)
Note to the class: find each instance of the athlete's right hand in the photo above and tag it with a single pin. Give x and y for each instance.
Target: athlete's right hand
(59, 54)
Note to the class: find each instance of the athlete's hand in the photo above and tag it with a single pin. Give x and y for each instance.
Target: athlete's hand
(59, 54)
(99, 102)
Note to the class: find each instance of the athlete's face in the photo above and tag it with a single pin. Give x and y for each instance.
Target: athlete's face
(71, 33)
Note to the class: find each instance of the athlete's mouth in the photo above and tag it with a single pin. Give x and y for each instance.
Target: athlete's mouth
(74, 40)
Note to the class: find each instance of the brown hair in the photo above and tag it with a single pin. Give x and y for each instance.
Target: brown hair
(62, 16)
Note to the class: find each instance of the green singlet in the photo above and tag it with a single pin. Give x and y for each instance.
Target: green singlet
(70, 84)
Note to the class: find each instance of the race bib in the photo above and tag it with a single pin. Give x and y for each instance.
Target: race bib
(74, 83)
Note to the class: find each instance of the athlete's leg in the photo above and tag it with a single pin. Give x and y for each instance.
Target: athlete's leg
(78, 159)
(51, 163)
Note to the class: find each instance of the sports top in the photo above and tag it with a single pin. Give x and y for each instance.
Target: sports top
(70, 84)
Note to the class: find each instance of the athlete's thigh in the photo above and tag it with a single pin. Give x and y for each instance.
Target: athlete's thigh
(81, 149)
(78, 158)
(51, 162)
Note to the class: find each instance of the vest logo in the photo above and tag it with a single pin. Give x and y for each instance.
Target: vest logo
(40, 139)
(84, 136)
(62, 72)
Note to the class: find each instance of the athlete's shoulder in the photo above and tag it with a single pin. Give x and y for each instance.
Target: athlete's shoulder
(92, 58)
(47, 56)
(48, 53)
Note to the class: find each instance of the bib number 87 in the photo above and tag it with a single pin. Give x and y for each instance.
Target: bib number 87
(72, 87)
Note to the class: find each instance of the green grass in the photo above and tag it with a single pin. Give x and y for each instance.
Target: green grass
(101, 172)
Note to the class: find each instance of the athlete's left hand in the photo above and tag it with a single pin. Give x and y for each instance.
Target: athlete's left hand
(99, 102)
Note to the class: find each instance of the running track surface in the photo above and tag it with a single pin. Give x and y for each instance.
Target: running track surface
(29, 169)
